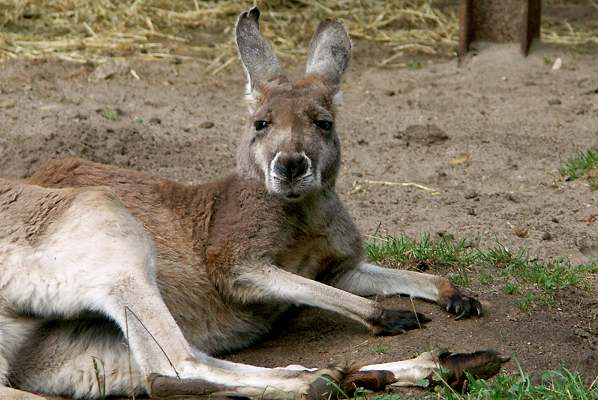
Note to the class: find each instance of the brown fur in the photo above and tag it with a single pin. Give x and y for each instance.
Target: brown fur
(371, 380)
(202, 233)
(30, 210)
(231, 255)
(481, 364)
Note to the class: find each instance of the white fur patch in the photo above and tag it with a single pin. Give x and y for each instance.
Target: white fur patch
(338, 99)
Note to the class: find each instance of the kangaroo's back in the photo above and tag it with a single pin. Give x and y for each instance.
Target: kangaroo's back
(151, 199)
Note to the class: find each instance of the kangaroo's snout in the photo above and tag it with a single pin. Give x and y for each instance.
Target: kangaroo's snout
(290, 166)
(292, 175)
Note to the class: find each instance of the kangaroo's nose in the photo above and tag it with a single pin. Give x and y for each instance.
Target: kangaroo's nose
(291, 165)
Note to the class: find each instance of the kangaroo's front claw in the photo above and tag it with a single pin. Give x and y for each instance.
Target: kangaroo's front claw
(394, 322)
(463, 306)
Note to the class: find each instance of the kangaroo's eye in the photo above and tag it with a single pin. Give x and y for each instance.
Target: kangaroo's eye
(324, 124)
(261, 124)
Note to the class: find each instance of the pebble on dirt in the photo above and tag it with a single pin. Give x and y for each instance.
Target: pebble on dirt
(109, 69)
(546, 236)
(471, 194)
(206, 125)
(554, 102)
(7, 104)
(424, 134)
(512, 198)
(520, 231)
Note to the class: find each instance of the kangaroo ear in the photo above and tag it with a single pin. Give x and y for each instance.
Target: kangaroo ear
(329, 52)
(256, 54)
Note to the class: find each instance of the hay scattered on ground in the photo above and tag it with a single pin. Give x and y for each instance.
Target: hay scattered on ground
(97, 30)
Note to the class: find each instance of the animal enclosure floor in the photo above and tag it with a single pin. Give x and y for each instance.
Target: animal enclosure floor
(488, 137)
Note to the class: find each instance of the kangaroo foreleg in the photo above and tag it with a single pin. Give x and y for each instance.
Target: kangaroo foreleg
(365, 279)
(265, 282)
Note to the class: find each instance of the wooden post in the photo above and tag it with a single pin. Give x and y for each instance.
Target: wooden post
(499, 21)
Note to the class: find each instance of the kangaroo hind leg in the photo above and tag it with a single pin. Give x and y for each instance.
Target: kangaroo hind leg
(14, 331)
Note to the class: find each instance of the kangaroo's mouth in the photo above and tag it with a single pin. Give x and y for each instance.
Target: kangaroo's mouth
(293, 196)
(292, 190)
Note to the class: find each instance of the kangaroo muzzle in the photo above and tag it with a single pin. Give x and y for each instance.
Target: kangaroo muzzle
(291, 175)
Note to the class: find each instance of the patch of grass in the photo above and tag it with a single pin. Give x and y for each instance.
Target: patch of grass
(539, 280)
(577, 165)
(486, 278)
(420, 254)
(553, 385)
(379, 349)
(109, 114)
(389, 396)
(547, 275)
(531, 301)
(460, 278)
(414, 65)
(510, 288)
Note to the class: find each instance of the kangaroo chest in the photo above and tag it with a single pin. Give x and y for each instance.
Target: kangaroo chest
(306, 239)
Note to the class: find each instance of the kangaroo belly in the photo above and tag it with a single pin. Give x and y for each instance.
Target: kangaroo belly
(224, 327)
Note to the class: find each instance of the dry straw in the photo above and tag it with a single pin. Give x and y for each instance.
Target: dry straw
(97, 30)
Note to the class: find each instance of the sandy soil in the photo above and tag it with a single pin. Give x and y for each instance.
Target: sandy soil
(488, 136)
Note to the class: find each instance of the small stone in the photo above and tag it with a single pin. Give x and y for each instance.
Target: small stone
(362, 142)
(109, 69)
(206, 125)
(555, 220)
(155, 121)
(546, 236)
(7, 104)
(390, 93)
(520, 231)
(471, 211)
(80, 117)
(472, 194)
(558, 63)
(512, 198)
(446, 235)
(425, 134)
(554, 102)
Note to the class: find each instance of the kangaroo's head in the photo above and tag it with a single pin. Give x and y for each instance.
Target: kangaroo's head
(290, 142)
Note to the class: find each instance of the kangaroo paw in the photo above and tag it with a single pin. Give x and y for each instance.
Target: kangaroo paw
(480, 364)
(373, 380)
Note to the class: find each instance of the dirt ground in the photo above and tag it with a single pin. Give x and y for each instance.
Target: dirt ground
(499, 127)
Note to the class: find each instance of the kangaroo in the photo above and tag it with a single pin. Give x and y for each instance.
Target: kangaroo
(146, 279)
